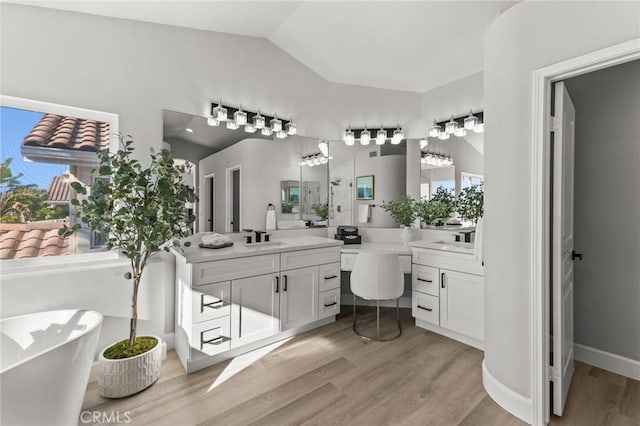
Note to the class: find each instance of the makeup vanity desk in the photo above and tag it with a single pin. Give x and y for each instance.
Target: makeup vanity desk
(349, 252)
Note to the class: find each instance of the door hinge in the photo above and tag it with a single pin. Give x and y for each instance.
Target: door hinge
(554, 124)
(554, 373)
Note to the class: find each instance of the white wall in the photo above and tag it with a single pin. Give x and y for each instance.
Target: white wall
(607, 202)
(528, 36)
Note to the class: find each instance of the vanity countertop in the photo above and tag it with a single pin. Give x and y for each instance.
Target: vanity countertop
(448, 246)
(195, 254)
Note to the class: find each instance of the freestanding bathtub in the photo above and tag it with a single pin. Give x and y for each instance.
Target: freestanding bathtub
(45, 361)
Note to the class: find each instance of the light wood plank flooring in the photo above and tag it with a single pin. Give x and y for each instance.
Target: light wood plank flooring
(328, 376)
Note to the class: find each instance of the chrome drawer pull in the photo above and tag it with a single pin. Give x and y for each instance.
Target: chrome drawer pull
(215, 341)
(425, 281)
(330, 304)
(331, 277)
(426, 309)
(213, 305)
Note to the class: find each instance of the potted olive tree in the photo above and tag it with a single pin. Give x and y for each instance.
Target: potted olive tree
(139, 211)
(321, 210)
(404, 212)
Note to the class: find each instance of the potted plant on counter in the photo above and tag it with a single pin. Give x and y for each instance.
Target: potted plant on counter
(404, 212)
(470, 203)
(440, 206)
(321, 210)
(140, 211)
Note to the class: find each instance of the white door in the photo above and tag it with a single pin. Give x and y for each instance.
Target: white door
(255, 309)
(299, 297)
(562, 261)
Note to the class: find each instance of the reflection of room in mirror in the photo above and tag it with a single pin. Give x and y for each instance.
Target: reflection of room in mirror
(264, 164)
(382, 173)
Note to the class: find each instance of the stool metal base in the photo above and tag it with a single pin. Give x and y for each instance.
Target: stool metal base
(377, 338)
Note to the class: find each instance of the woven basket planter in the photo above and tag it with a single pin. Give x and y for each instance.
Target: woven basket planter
(118, 378)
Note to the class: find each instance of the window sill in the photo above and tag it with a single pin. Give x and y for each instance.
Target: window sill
(18, 268)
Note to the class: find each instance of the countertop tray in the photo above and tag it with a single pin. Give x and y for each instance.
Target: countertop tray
(214, 247)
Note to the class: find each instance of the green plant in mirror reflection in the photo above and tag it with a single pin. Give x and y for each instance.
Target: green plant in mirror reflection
(441, 205)
(402, 210)
(321, 209)
(470, 203)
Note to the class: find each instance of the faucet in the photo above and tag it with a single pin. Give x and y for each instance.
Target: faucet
(259, 235)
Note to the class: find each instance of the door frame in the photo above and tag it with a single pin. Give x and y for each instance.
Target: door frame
(543, 79)
(228, 189)
(212, 210)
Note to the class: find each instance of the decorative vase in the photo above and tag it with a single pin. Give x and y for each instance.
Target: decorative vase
(118, 378)
(406, 235)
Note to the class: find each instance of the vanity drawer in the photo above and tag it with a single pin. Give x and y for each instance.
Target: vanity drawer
(329, 303)
(303, 258)
(426, 280)
(211, 337)
(230, 269)
(425, 307)
(329, 276)
(211, 301)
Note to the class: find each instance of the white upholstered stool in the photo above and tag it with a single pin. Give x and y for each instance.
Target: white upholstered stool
(377, 276)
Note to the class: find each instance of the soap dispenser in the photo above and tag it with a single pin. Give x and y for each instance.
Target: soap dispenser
(271, 218)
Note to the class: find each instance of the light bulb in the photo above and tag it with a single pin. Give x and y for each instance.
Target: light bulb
(460, 132)
(451, 126)
(276, 123)
(212, 121)
(434, 131)
(443, 136)
(266, 131)
(479, 128)
(240, 117)
(423, 143)
(324, 148)
(281, 134)
(398, 135)
(381, 136)
(365, 137)
(250, 128)
(232, 125)
(471, 121)
(258, 121)
(220, 112)
(291, 127)
(349, 138)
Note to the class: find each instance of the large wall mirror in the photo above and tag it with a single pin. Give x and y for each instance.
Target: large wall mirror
(465, 168)
(239, 175)
(361, 179)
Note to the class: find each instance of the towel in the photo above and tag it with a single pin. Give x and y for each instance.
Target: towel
(271, 220)
(364, 213)
(478, 251)
(215, 239)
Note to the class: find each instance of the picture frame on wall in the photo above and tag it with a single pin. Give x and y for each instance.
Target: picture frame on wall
(365, 187)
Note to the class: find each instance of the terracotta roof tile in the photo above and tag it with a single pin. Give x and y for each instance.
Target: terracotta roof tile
(19, 241)
(59, 189)
(56, 131)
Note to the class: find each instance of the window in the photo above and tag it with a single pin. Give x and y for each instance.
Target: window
(469, 179)
(45, 147)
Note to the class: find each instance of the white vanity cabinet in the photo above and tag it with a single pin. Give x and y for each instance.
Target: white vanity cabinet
(231, 306)
(448, 294)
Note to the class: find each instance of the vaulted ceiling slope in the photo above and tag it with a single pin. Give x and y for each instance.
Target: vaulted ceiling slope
(412, 46)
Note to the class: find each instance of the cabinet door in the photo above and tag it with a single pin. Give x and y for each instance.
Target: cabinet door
(255, 308)
(462, 303)
(299, 297)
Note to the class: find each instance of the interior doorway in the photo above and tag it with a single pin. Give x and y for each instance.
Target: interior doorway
(233, 199)
(555, 251)
(210, 202)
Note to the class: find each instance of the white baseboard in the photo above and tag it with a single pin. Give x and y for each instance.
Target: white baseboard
(507, 398)
(167, 344)
(607, 361)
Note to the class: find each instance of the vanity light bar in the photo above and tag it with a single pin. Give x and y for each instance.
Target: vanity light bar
(457, 126)
(315, 159)
(380, 135)
(436, 159)
(241, 117)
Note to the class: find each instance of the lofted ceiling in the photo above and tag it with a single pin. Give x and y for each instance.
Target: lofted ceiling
(412, 46)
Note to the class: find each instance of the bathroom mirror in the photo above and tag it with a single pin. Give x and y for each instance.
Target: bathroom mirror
(361, 179)
(467, 169)
(240, 174)
(290, 196)
(314, 203)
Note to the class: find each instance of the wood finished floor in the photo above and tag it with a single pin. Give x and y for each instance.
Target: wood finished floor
(328, 376)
